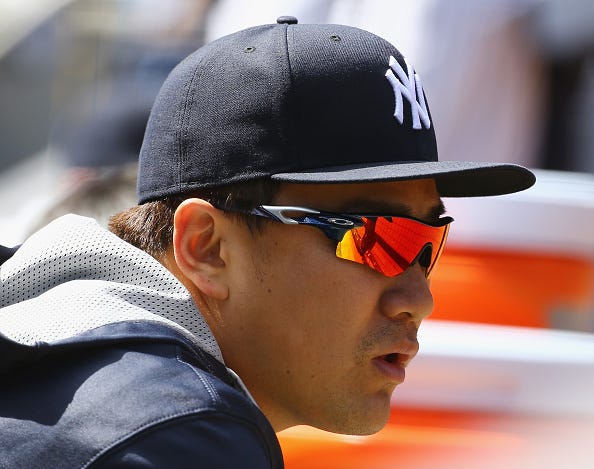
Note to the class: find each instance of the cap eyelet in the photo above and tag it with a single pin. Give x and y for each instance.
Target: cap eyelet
(335, 38)
(249, 49)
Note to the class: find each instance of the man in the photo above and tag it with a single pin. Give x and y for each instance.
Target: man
(263, 290)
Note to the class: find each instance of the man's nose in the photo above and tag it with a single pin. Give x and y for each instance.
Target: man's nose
(408, 294)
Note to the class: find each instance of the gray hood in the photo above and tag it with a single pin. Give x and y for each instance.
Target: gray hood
(74, 276)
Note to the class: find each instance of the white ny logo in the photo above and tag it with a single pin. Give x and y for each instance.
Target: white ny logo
(410, 87)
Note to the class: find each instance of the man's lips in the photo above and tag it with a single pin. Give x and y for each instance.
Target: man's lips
(393, 364)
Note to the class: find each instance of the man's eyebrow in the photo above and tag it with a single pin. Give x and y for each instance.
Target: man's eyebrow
(437, 211)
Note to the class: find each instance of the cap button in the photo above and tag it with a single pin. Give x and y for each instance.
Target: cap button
(286, 20)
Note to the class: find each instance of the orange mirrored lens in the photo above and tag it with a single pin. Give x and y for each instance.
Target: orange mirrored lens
(391, 245)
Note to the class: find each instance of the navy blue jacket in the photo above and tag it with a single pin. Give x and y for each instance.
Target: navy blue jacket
(125, 395)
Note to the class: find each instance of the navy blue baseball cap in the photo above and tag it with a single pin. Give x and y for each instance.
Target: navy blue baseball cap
(301, 103)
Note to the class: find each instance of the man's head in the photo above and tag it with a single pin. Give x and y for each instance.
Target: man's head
(267, 157)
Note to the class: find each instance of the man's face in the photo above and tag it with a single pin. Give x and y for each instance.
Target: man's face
(319, 340)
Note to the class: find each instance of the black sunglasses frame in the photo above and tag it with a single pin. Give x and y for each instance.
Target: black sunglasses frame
(334, 225)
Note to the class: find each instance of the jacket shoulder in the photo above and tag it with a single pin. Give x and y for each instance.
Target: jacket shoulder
(114, 401)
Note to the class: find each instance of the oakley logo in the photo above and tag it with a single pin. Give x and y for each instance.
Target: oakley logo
(408, 84)
(339, 221)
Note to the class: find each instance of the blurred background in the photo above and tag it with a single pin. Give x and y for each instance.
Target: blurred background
(505, 376)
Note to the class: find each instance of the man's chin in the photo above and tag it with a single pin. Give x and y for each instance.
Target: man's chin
(359, 423)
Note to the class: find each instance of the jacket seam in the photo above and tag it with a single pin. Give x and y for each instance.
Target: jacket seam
(212, 392)
(169, 418)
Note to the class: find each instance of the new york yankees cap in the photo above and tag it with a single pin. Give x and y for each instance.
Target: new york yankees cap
(301, 103)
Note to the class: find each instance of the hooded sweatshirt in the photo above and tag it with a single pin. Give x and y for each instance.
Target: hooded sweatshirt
(105, 361)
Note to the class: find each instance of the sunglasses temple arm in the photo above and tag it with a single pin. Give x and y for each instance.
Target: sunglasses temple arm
(276, 213)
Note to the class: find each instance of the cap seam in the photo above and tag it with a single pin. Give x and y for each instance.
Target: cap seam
(183, 127)
(288, 130)
(179, 129)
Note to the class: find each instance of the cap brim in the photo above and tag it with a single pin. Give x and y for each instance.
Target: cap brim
(453, 178)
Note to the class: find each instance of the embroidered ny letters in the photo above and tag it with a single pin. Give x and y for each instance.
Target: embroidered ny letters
(408, 84)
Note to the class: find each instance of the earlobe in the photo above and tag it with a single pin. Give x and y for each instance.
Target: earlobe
(196, 245)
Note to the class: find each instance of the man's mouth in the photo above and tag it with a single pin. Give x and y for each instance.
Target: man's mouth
(391, 366)
(391, 358)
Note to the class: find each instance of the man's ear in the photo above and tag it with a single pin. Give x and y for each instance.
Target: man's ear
(196, 245)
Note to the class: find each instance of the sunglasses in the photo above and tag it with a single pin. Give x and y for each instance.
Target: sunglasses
(387, 244)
